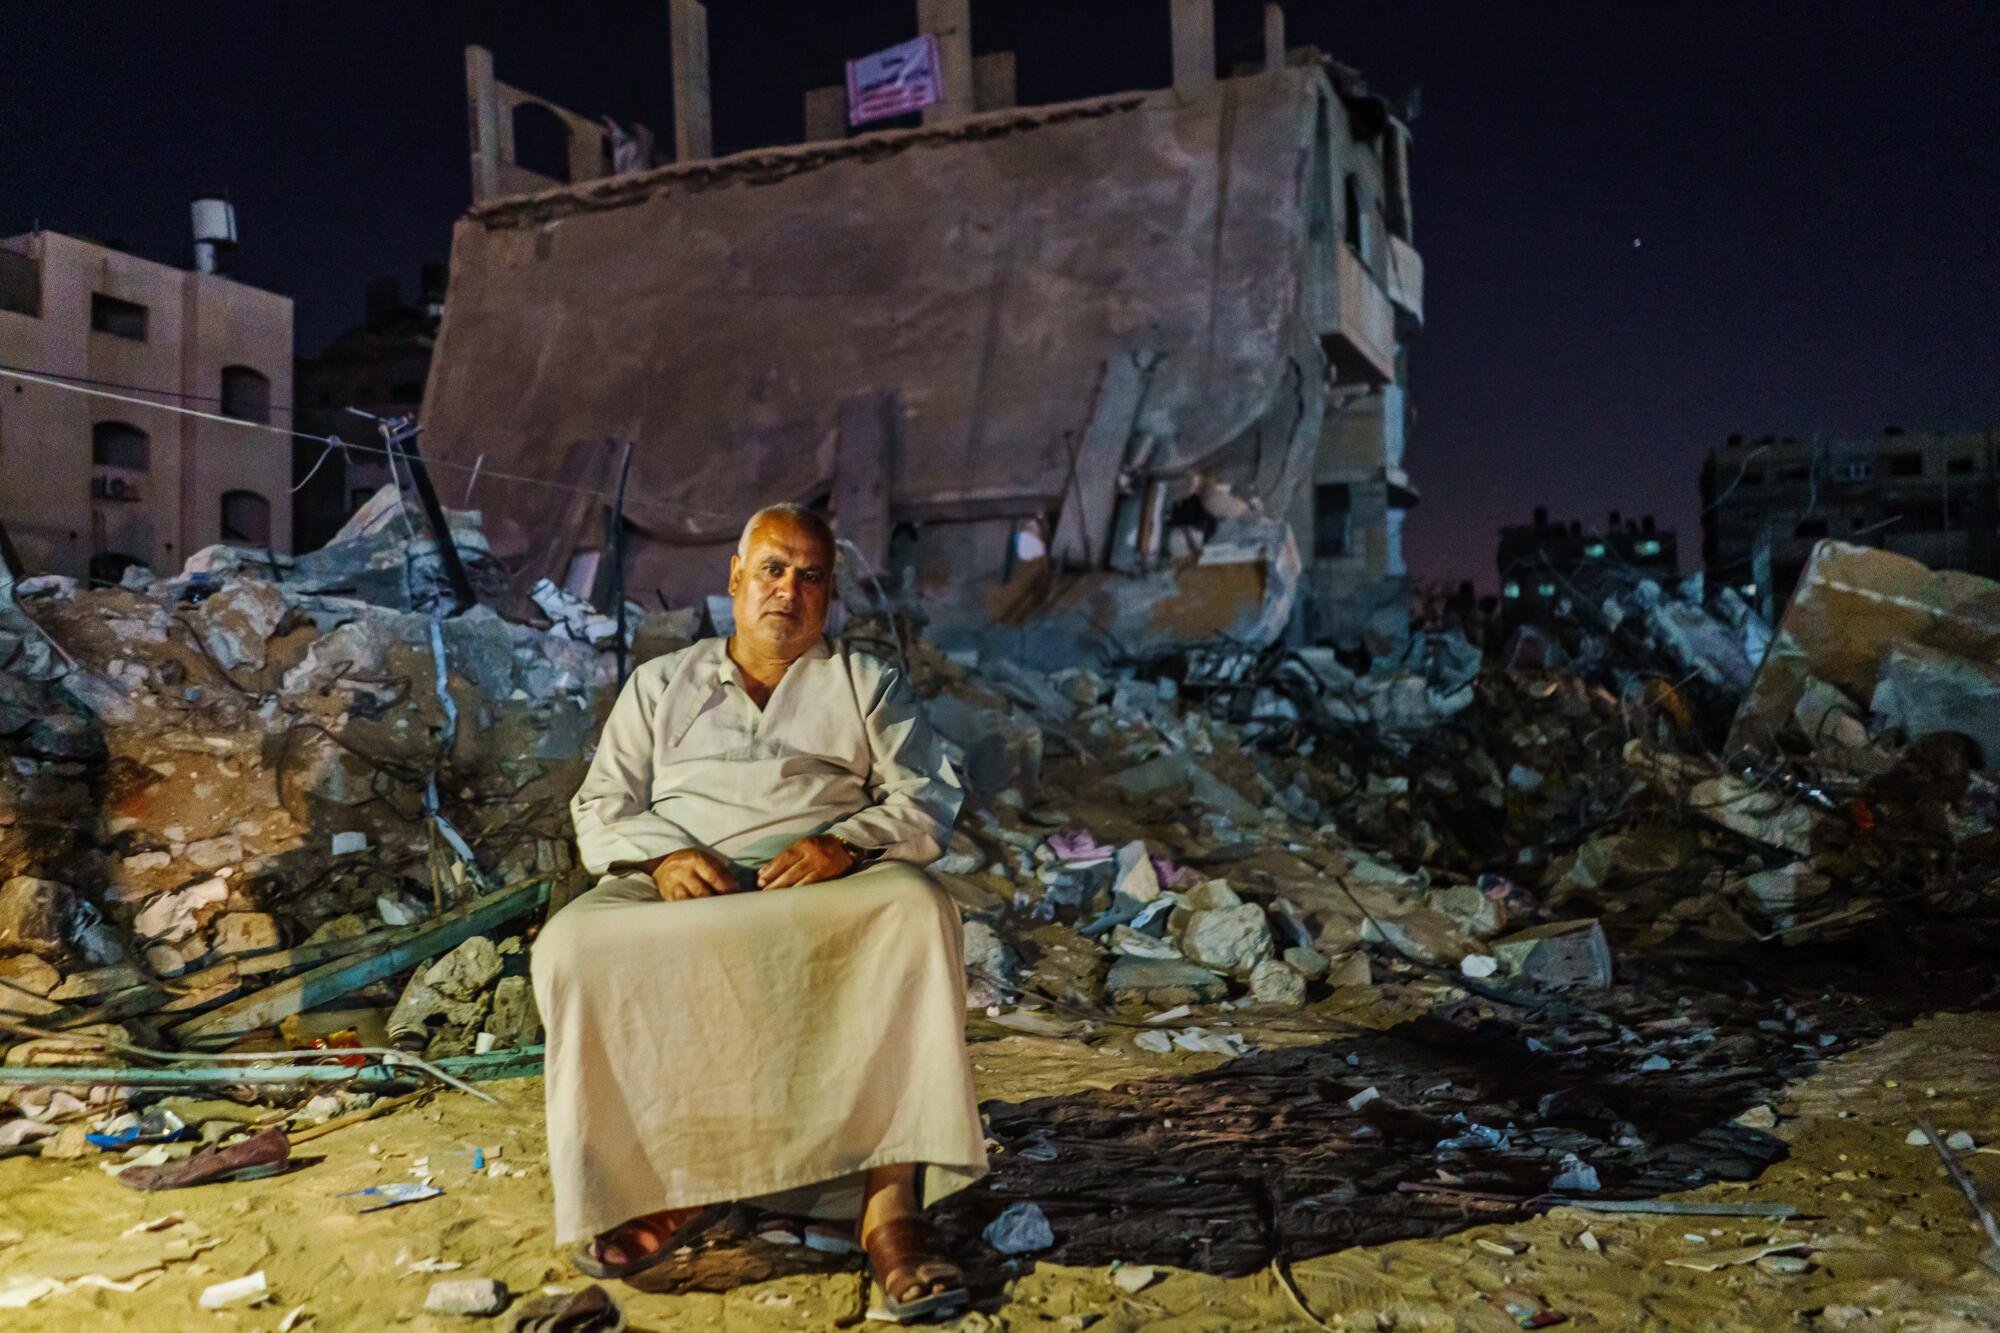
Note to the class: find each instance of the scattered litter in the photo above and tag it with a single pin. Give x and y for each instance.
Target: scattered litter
(1022, 1229)
(250, 1290)
(1133, 1278)
(1743, 1254)
(377, 1197)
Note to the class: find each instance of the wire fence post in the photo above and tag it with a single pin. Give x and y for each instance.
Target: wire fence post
(401, 436)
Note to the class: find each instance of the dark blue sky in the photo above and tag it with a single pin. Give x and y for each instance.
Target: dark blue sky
(1813, 189)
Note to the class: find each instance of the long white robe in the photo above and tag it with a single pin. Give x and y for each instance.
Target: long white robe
(765, 1045)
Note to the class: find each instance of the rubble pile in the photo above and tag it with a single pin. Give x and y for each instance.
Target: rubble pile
(249, 778)
(1231, 828)
(212, 781)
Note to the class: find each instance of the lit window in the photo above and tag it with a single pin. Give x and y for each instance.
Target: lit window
(1510, 589)
(1749, 590)
(1545, 590)
(1647, 547)
(1594, 551)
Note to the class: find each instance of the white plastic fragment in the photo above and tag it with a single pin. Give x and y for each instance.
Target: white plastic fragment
(236, 1291)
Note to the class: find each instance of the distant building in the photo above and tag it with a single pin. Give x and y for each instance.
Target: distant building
(89, 486)
(1542, 563)
(1929, 495)
(378, 366)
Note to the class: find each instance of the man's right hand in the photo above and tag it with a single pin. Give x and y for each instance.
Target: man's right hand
(693, 873)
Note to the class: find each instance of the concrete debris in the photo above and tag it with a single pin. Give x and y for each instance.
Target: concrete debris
(1558, 954)
(467, 1296)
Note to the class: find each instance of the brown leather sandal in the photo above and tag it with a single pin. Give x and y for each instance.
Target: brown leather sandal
(672, 1228)
(905, 1254)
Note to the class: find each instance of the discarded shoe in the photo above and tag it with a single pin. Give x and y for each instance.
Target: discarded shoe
(588, 1311)
(259, 1155)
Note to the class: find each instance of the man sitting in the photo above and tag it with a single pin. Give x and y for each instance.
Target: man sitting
(763, 998)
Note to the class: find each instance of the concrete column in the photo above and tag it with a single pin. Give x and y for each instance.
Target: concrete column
(688, 34)
(864, 456)
(993, 81)
(950, 21)
(826, 113)
(1194, 45)
(1274, 36)
(482, 105)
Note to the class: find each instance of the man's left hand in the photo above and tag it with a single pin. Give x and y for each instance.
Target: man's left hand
(807, 861)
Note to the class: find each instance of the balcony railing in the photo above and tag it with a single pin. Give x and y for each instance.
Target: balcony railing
(1358, 325)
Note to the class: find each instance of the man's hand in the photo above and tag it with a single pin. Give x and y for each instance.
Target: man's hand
(693, 873)
(807, 861)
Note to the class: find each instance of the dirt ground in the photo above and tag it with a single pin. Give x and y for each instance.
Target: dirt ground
(1889, 1241)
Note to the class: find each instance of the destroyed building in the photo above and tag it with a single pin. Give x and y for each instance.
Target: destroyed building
(1931, 495)
(91, 485)
(1112, 374)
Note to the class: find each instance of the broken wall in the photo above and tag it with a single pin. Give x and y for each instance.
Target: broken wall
(1053, 294)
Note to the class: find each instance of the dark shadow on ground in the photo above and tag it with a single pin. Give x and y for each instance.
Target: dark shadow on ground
(1268, 1155)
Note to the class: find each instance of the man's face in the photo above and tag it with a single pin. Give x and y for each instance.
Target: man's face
(782, 587)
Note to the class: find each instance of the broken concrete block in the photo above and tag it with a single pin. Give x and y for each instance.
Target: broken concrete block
(1209, 895)
(215, 853)
(237, 623)
(992, 967)
(1137, 879)
(1561, 953)
(32, 914)
(348, 843)
(238, 933)
(1920, 691)
(1273, 982)
(1000, 749)
(514, 1021)
(467, 1295)
(1228, 939)
(1853, 608)
(1465, 904)
(446, 1003)
(1308, 962)
(1163, 981)
(26, 972)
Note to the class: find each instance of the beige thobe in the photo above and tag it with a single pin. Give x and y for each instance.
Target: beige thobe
(767, 1045)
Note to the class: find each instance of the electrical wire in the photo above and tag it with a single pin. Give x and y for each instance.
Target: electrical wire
(70, 385)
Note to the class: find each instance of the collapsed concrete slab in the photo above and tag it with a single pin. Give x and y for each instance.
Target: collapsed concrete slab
(1914, 644)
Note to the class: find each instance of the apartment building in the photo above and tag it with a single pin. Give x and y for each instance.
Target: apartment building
(89, 485)
(1926, 494)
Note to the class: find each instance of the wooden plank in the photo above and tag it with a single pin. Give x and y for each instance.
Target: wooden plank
(408, 947)
(129, 994)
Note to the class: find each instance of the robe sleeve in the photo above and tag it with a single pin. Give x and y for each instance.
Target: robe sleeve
(917, 793)
(615, 824)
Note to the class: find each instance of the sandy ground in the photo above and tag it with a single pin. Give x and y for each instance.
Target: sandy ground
(1892, 1243)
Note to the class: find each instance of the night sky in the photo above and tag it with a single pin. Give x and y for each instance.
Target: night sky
(1644, 227)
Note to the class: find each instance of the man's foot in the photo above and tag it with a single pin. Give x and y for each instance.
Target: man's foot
(911, 1267)
(638, 1244)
